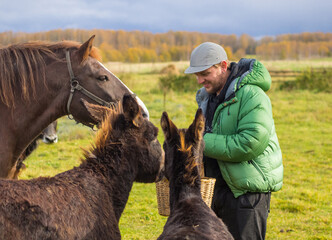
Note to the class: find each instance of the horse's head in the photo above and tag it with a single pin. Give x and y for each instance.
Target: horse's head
(93, 82)
(49, 134)
(125, 126)
(183, 147)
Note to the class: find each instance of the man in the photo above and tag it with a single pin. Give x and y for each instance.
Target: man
(241, 146)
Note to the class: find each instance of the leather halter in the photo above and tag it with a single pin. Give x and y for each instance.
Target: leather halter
(74, 84)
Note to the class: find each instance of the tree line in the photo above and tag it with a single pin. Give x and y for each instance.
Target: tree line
(142, 46)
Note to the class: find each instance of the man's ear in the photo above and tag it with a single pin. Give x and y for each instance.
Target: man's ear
(224, 65)
(131, 110)
(168, 127)
(97, 112)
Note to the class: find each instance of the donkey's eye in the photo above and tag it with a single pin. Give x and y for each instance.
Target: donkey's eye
(103, 78)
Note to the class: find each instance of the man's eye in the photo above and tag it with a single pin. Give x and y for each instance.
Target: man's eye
(103, 78)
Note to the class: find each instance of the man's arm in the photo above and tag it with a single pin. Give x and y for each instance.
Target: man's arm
(252, 136)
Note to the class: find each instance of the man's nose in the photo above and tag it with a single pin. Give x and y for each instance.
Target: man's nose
(200, 79)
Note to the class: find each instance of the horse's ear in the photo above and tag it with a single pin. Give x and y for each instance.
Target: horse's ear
(131, 110)
(85, 49)
(196, 129)
(97, 112)
(168, 126)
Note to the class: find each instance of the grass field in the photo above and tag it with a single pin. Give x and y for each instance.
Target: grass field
(301, 210)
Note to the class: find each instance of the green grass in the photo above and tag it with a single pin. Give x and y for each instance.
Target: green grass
(297, 65)
(300, 210)
(303, 122)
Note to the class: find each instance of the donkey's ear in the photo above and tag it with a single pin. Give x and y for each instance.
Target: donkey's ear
(85, 49)
(131, 110)
(97, 112)
(168, 126)
(196, 129)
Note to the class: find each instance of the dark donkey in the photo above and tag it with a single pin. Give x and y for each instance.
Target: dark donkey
(48, 136)
(87, 201)
(41, 82)
(190, 217)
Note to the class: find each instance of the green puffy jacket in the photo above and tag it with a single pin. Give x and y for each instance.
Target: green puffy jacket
(243, 139)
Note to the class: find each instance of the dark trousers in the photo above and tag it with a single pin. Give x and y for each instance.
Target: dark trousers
(245, 216)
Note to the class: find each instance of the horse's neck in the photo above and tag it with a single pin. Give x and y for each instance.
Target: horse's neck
(118, 175)
(21, 125)
(35, 116)
(23, 122)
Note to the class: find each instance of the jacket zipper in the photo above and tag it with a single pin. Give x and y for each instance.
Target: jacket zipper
(257, 168)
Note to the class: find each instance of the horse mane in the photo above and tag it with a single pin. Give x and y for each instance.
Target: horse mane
(190, 175)
(105, 132)
(23, 65)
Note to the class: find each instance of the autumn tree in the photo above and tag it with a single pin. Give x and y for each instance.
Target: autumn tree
(143, 46)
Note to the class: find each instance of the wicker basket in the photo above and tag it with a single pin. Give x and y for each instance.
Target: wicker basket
(162, 187)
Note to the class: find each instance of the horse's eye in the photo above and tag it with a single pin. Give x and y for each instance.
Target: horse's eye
(103, 78)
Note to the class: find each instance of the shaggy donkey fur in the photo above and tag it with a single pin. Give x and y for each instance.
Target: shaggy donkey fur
(87, 201)
(190, 217)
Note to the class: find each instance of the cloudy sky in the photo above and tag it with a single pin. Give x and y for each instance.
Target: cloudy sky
(254, 17)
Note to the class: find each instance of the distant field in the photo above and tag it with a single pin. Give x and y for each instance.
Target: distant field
(301, 210)
(118, 67)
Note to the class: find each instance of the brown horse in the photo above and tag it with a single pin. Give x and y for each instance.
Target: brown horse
(40, 82)
(48, 136)
(190, 217)
(87, 201)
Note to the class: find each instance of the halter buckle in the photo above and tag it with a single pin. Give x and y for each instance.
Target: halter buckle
(74, 83)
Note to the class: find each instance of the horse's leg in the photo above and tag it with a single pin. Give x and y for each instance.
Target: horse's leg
(19, 166)
(6, 165)
(13, 173)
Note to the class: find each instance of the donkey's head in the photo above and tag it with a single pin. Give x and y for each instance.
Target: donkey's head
(183, 147)
(136, 137)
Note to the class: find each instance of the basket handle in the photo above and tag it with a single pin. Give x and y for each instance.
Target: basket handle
(201, 167)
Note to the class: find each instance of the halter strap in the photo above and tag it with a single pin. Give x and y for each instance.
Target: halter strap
(70, 69)
(74, 84)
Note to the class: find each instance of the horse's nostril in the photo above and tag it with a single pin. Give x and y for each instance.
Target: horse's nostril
(50, 140)
(145, 115)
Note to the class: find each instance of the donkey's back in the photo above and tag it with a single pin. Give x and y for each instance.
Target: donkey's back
(191, 218)
(72, 205)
